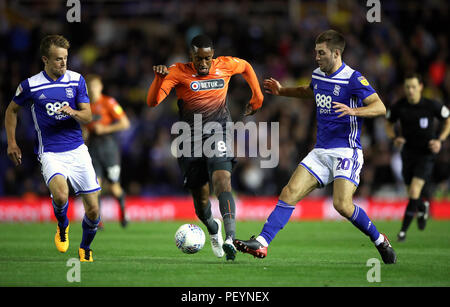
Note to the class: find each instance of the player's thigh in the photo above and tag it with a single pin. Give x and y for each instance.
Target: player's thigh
(81, 174)
(343, 190)
(195, 172)
(54, 170)
(301, 183)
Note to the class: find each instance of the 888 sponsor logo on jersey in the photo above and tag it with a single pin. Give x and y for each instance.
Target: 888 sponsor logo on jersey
(323, 102)
(53, 107)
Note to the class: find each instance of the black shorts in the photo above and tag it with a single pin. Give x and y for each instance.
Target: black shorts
(198, 171)
(416, 164)
(105, 156)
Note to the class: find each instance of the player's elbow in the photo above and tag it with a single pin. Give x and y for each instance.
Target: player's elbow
(382, 109)
(125, 123)
(152, 101)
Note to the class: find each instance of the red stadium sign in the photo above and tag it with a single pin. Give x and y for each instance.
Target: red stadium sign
(181, 208)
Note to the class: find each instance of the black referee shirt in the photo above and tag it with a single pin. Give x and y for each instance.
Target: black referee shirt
(417, 121)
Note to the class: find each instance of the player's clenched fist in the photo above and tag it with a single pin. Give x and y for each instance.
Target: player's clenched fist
(66, 110)
(161, 70)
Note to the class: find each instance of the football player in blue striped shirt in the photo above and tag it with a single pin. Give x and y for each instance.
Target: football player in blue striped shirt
(59, 103)
(343, 98)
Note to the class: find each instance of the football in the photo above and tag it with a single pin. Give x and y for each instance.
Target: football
(189, 238)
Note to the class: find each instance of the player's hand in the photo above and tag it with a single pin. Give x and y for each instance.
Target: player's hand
(161, 70)
(272, 86)
(399, 142)
(343, 109)
(66, 110)
(435, 146)
(249, 110)
(15, 154)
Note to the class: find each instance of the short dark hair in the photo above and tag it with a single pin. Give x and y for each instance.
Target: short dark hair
(53, 40)
(414, 75)
(333, 39)
(91, 77)
(201, 41)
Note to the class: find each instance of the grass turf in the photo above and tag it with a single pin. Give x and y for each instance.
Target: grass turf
(303, 254)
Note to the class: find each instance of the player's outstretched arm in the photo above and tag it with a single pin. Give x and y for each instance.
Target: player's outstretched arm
(155, 95)
(257, 96)
(13, 151)
(272, 86)
(374, 107)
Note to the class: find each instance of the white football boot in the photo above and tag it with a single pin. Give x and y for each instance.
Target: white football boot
(217, 240)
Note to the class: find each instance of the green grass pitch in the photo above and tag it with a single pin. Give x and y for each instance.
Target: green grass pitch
(303, 254)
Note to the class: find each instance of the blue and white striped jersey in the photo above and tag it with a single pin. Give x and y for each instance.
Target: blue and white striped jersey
(55, 132)
(346, 86)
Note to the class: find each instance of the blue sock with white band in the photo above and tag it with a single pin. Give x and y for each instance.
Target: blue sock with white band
(277, 220)
(89, 231)
(362, 222)
(61, 214)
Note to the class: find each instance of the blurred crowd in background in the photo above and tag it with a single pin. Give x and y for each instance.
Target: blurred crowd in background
(122, 40)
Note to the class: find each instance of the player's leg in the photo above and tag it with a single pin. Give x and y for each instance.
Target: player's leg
(111, 160)
(196, 179)
(202, 207)
(301, 183)
(84, 182)
(424, 172)
(221, 182)
(99, 168)
(89, 225)
(416, 170)
(203, 211)
(60, 200)
(414, 190)
(119, 194)
(100, 183)
(343, 191)
(424, 209)
(54, 171)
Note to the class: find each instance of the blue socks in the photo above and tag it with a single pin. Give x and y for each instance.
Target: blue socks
(61, 214)
(277, 220)
(362, 222)
(281, 214)
(89, 231)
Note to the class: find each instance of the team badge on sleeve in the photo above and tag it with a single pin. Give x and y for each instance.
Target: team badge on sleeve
(118, 109)
(363, 81)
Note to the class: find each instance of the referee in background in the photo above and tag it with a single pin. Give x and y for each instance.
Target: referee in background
(419, 143)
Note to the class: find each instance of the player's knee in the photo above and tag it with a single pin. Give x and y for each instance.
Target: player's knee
(289, 194)
(60, 197)
(343, 207)
(414, 192)
(222, 184)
